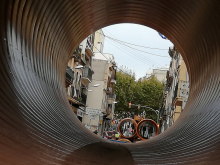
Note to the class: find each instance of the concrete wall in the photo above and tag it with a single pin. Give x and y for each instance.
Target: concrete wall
(95, 97)
(99, 68)
(99, 41)
(160, 74)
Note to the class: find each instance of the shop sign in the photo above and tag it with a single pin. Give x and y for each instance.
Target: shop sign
(80, 113)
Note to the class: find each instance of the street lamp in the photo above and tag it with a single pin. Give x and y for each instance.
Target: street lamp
(156, 111)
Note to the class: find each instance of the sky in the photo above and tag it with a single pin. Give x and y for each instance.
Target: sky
(121, 39)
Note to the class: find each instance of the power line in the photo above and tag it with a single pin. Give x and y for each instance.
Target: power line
(143, 51)
(101, 53)
(117, 40)
(107, 58)
(143, 59)
(123, 42)
(136, 56)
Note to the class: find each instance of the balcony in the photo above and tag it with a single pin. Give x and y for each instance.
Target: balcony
(178, 101)
(75, 99)
(89, 52)
(111, 98)
(83, 59)
(108, 109)
(113, 78)
(89, 43)
(169, 76)
(171, 51)
(89, 46)
(87, 75)
(69, 76)
(108, 90)
(77, 54)
(84, 98)
(72, 92)
(113, 81)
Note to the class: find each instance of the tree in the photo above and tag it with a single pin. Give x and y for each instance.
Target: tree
(146, 92)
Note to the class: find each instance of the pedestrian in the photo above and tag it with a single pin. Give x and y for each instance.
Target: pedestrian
(116, 136)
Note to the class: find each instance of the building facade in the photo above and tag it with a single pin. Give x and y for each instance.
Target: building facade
(176, 90)
(159, 74)
(79, 75)
(101, 99)
(90, 80)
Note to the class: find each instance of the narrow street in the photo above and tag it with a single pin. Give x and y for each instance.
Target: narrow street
(59, 92)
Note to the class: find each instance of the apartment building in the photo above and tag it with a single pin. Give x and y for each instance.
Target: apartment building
(79, 75)
(176, 91)
(101, 100)
(90, 80)
(159, 74)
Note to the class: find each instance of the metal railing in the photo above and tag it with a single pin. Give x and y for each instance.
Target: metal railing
(87, 73)
(83, 59)
(69, 75)
(77, 54)
(89, 43)
(84, 98)
(112, 96)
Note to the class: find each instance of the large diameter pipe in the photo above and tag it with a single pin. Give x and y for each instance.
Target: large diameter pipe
(37, 125)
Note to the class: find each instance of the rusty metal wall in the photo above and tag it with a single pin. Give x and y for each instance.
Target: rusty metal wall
(37, 125)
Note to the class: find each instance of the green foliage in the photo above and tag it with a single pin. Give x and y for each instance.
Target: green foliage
(146, 92)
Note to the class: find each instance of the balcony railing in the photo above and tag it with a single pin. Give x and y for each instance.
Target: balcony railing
(89, 42)
(109, 90)
(77, 54)
(87, 73)
(89, 51)
(175, 92)
(89, 46)
(84, 98)
(113, 78)
(75, 97)
(109, 108)
(112, 96)
(170, 74)
(83, 59)
(69, 75)
(72, 92)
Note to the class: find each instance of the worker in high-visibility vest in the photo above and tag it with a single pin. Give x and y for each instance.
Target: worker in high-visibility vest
(117, 136)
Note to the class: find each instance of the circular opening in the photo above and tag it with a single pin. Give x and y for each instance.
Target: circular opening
(151, 91)
(147, 129)
(127, 128)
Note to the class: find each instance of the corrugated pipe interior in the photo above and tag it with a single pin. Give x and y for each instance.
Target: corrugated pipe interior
(37, 125)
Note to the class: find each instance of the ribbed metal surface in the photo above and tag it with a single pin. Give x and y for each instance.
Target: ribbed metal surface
(36, 122)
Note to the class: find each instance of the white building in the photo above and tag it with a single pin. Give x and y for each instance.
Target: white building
(159, 73)
(100, 103)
